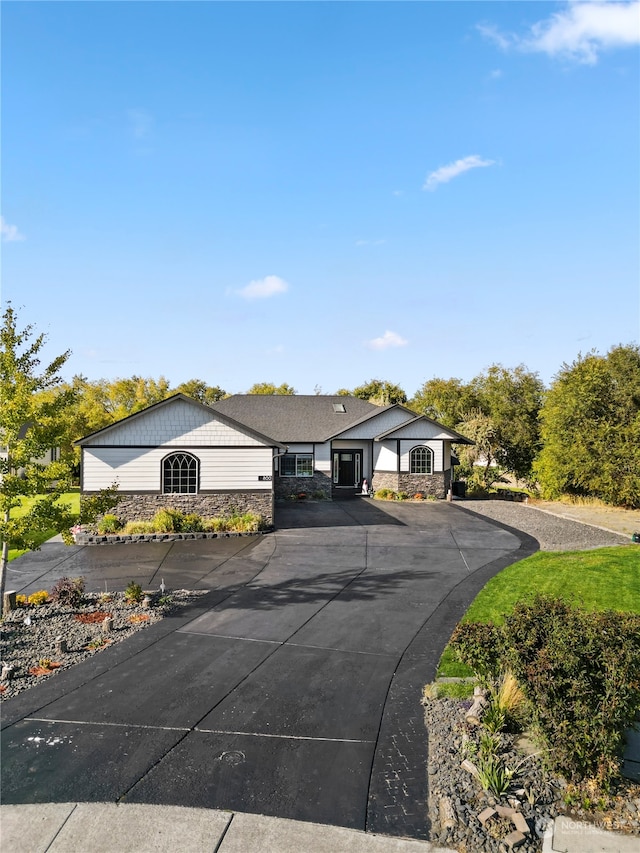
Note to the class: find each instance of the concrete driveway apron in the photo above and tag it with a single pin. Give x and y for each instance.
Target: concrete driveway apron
(293, 690)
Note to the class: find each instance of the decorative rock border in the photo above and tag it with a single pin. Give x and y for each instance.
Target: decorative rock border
(135, 538)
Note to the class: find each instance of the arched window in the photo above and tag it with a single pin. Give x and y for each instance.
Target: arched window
(180, 474)
(421, 460)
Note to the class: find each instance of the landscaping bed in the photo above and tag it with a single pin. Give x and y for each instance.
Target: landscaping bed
(456, 799)
(25, 647)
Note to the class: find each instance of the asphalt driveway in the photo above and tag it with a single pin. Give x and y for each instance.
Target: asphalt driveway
(291, 689)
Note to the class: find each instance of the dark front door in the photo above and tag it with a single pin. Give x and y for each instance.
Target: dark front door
(347, 468)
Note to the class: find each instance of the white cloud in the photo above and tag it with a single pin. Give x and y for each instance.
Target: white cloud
(10, 233)
(263, 288)
(140, 122)
(389, 339)
(581, 31)
(445, 173)
(370, 242)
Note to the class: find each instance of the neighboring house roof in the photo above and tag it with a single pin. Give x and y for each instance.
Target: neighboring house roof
(298, 418)
(221, 416)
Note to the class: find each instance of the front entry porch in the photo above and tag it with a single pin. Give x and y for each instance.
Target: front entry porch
(346, 466)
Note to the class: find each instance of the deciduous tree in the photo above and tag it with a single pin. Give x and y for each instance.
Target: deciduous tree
(591, 429)
(270, 388)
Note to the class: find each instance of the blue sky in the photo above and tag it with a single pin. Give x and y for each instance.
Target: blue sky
(321, 193)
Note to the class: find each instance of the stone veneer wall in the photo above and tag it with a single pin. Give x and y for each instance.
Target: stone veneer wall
(435, 485)
(143, 507)
(286, 486)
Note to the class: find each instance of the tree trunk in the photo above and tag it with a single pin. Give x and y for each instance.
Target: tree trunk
(4, 562)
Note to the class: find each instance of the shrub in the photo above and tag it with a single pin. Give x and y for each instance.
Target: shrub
(385, 494)
(318, 495)
(38, 598)
(581, 673)
(133, 594)
(402, 496)
(21, 600)
(418, 496)
(168, 521)
(109, 524)
(479, 646)
(133, 527)
(68, 591)
(192, 523)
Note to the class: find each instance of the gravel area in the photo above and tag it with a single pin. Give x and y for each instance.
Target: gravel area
(456, 799)
(552, 532)
(28, 635)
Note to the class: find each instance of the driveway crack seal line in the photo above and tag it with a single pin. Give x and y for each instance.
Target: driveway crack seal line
(222, 837)
(60, 828)
(459, 548)
(194, 727)
(514, 556)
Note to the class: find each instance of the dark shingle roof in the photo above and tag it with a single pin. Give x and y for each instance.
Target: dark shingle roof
(296, 417)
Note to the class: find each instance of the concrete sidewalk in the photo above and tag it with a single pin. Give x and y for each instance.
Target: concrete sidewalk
(110, 828)
(134, 828)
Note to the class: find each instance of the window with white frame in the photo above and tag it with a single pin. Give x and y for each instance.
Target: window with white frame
(421, 460)
(180, 474)
(296, 465)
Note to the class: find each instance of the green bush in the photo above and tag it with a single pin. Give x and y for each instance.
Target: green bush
(479, 646)
(385, 495)
(402, 496)
(68, 591)
(581, 674)
(109, 524)
(192, 523)
(168, 521)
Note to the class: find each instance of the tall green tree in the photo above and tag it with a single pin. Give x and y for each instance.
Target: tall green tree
(591, 429)
(512, 398)
(380, 392)
(498, 410)
(200, 391)
(31, 423)
(447, 401)
(270, 388)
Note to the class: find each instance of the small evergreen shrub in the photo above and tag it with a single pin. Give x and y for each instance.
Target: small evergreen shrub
(38, 598)
(133, 593)
(68, 591)
(109, 524)
(21, 600)
(402, 496)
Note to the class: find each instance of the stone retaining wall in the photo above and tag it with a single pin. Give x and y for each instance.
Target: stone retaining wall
(436, 485)
(286, 486)
(143, 507)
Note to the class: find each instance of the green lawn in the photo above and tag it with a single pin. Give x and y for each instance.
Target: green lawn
(604, 579)
(72, 498)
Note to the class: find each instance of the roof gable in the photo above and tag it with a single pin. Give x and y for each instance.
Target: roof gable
(176, 420)
(420, 428)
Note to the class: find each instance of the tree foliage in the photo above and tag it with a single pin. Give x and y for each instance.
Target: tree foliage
(380, 392)
(447, 401)
(591, 429)
(498, 410)
(200, 391)
(270, 388)
(31, 423)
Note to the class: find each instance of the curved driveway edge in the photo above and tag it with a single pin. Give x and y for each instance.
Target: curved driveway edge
(294, 692)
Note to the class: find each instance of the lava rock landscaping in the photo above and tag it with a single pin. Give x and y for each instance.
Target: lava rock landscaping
(30, 636)
(463, 816)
